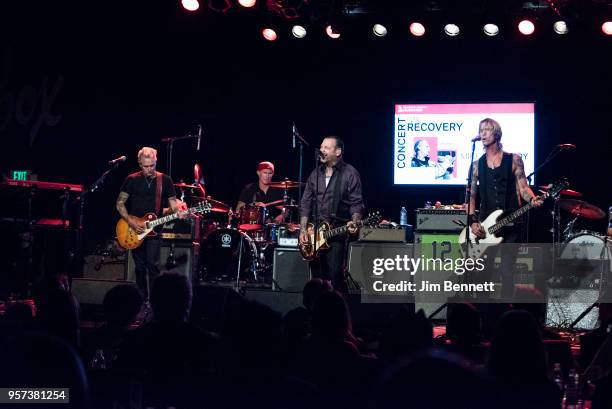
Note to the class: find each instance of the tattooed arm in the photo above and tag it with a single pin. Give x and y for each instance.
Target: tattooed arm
(521, 181)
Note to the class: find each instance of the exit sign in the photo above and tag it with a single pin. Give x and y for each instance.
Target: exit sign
(20, 174)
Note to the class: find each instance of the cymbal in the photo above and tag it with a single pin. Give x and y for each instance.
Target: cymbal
(273, 203)
(185, 186)
(281, 207)
(581, 208)
(565, 192)
(218, 206)
(285, 184)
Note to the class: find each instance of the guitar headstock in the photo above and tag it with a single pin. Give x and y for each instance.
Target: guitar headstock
(555, 188)
(202, 207)
(373, 219)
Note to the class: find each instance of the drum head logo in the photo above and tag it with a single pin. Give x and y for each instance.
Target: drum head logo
(226, 240)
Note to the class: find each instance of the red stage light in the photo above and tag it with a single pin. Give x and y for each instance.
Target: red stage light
(607, 28)
(269, 34)
(190, 5)
(247, 3)
(526, 27)
(417, 29)
(331, 32)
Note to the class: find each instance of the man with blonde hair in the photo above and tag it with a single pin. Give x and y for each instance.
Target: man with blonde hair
(147, 191)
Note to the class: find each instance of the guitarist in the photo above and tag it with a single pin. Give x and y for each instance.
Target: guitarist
(499, 179)
(146, 190)
(334, 190)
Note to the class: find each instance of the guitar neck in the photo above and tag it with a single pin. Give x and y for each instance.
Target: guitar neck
(510, 218)
(170, 217)
(339, 230)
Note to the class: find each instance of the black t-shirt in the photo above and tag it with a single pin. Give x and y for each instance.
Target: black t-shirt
(142, 193)
(251, 193)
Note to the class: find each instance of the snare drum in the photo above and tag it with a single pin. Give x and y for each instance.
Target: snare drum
(252, 217)
(227, 252)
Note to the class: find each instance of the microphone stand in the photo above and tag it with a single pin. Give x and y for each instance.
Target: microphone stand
(170, 142)
(301, 141)
(468, 196)
(94, 186)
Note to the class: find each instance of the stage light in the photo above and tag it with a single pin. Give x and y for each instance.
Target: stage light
(332, 32)
(491, 29)
(298, 31)
(379, 30)
(560, 27)
(269, 34)
(190, 5)
(417, 29)
(451, 30)
(247, 3)
(607, 28)
(526, 27)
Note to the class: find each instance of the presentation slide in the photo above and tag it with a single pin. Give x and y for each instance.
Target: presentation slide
(432, 142)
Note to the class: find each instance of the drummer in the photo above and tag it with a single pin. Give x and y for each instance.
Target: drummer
(261, 194)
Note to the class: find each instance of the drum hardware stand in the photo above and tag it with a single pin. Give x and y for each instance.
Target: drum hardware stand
(603, 283)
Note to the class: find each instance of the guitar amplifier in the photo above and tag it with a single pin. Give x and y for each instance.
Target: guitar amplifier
(440, 219)
(186, 229)
(386, 235)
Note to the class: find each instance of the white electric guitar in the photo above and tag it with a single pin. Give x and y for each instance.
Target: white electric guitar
(495, 222)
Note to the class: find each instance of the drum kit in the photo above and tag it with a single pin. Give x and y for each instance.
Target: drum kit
(238, 246)
(578, 245)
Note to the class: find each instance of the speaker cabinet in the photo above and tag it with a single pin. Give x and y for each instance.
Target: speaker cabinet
(176, 256)
(92, 291)
(291, 272)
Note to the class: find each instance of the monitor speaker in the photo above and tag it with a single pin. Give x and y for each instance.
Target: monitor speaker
(290, 272)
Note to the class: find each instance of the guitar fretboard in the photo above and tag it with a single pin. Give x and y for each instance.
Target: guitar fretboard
(170, 217)
(510, 218)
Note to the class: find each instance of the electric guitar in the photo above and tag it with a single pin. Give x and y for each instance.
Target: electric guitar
(495, 222)
(324, 233)
(129, 239)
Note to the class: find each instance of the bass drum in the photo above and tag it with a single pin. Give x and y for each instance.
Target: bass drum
(586, 245)
(227, 253)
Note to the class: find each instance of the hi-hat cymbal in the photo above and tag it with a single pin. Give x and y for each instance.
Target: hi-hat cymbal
(564, 192)
(285, 184)
(581, 208)
(185, 186)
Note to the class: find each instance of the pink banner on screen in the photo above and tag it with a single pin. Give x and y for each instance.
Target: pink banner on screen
(464, 108)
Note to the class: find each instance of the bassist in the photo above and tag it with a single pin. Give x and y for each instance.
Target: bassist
(147, 191)
(499, 179)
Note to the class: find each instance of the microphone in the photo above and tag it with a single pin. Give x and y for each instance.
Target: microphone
(294, 132)
(117, 160)
(199, 136)
(320, 154)
(475, 139)
(568, 146)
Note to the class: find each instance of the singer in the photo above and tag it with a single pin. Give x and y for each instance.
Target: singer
(499, 179)
(146, 191)
(334, 189)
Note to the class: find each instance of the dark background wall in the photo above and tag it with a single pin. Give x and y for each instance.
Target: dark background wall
(82, 84)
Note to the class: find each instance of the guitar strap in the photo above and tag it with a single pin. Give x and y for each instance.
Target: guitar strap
(158, 191)
(338, 186)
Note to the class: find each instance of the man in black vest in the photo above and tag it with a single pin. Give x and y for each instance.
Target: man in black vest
(499, 178)
(141, 188)
(333, 189)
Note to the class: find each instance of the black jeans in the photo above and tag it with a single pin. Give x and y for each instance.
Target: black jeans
(146, 262)
(329, 266)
